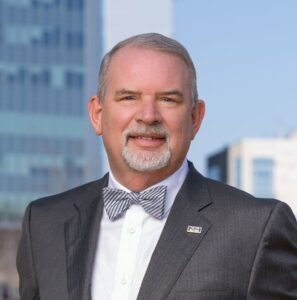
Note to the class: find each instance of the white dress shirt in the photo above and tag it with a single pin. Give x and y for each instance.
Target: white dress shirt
(125, 246)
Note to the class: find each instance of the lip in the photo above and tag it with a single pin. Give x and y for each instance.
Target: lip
(147, 141)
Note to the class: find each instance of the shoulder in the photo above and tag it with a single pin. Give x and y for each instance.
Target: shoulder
(245, 214)
(62, 204)
(224, 192)
(238, 204)
(228, 199)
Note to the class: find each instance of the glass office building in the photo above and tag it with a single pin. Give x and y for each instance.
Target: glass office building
(43, 74)
(264, 167)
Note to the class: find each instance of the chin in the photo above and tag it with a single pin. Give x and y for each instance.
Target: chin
(146, 161)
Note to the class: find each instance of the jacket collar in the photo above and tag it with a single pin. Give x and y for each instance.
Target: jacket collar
(184, 230)
(81, 234)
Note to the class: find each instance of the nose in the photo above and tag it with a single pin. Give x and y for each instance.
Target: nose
(148, 112)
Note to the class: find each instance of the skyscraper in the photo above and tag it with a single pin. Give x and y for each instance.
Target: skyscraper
(265, 167)
(44, 67)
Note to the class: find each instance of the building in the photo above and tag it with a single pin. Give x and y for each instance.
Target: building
(45, 65)
(264, 167)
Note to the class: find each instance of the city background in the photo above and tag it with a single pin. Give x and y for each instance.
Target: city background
(50, 50)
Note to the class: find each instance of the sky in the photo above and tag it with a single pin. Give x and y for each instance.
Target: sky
(245, 53)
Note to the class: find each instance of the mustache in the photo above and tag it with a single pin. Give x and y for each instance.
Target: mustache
(142, 129)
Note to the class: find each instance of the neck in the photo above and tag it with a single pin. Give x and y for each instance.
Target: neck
(137, 181)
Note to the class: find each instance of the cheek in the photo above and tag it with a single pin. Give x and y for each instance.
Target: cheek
(118, 117)
(180, 137)
(113, 127)
(110, 123)
(180, 125)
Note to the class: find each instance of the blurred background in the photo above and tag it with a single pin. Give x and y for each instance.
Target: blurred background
(245, 53)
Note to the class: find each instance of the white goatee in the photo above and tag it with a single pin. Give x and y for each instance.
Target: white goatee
(143, 160)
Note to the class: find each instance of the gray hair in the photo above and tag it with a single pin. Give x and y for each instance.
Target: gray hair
(153, 41)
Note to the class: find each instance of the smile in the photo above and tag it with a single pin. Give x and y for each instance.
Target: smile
(147, 141)
(147, 137)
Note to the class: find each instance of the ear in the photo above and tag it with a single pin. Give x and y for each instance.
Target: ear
(95, 114)
(198, 111)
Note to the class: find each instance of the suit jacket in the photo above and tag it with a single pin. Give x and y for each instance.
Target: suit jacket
(242, 247)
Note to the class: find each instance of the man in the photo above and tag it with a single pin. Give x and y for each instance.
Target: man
(117, 239)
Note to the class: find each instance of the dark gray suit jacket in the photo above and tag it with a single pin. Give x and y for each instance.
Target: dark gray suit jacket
(247, 247)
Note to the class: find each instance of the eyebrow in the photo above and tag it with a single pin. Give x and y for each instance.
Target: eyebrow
(126, 92)
(171, 93)
(165, 93)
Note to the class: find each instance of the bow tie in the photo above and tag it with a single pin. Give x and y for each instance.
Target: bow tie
(118, 201)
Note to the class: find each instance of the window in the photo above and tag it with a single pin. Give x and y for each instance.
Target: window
(51, 37)
(75, 4)
(238, 173)
(74, 40)
(262, 177)
(74, 79)
(214, 172)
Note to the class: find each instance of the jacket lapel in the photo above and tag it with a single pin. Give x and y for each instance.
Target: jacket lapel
(81, 233)
(178, 241)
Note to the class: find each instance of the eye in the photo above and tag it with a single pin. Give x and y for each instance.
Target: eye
(128, 98)
(167, 99)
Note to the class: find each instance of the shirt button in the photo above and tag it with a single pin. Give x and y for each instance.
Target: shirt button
(123, 281)
(132, 230)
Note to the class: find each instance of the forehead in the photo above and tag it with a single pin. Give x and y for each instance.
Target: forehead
(147, 64)
(135, 52)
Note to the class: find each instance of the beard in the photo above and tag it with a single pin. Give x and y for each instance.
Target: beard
(144, 160)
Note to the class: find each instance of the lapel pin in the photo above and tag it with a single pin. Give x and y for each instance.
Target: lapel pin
(194, 229)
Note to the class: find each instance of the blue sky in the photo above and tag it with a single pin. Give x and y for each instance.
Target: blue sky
(245, 53)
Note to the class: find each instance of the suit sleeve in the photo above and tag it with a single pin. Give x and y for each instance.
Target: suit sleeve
(274, 272)
(25, 262)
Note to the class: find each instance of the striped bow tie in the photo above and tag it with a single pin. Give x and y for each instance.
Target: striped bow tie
(118, 201)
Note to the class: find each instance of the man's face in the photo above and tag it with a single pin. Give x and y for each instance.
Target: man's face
(147, 119)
